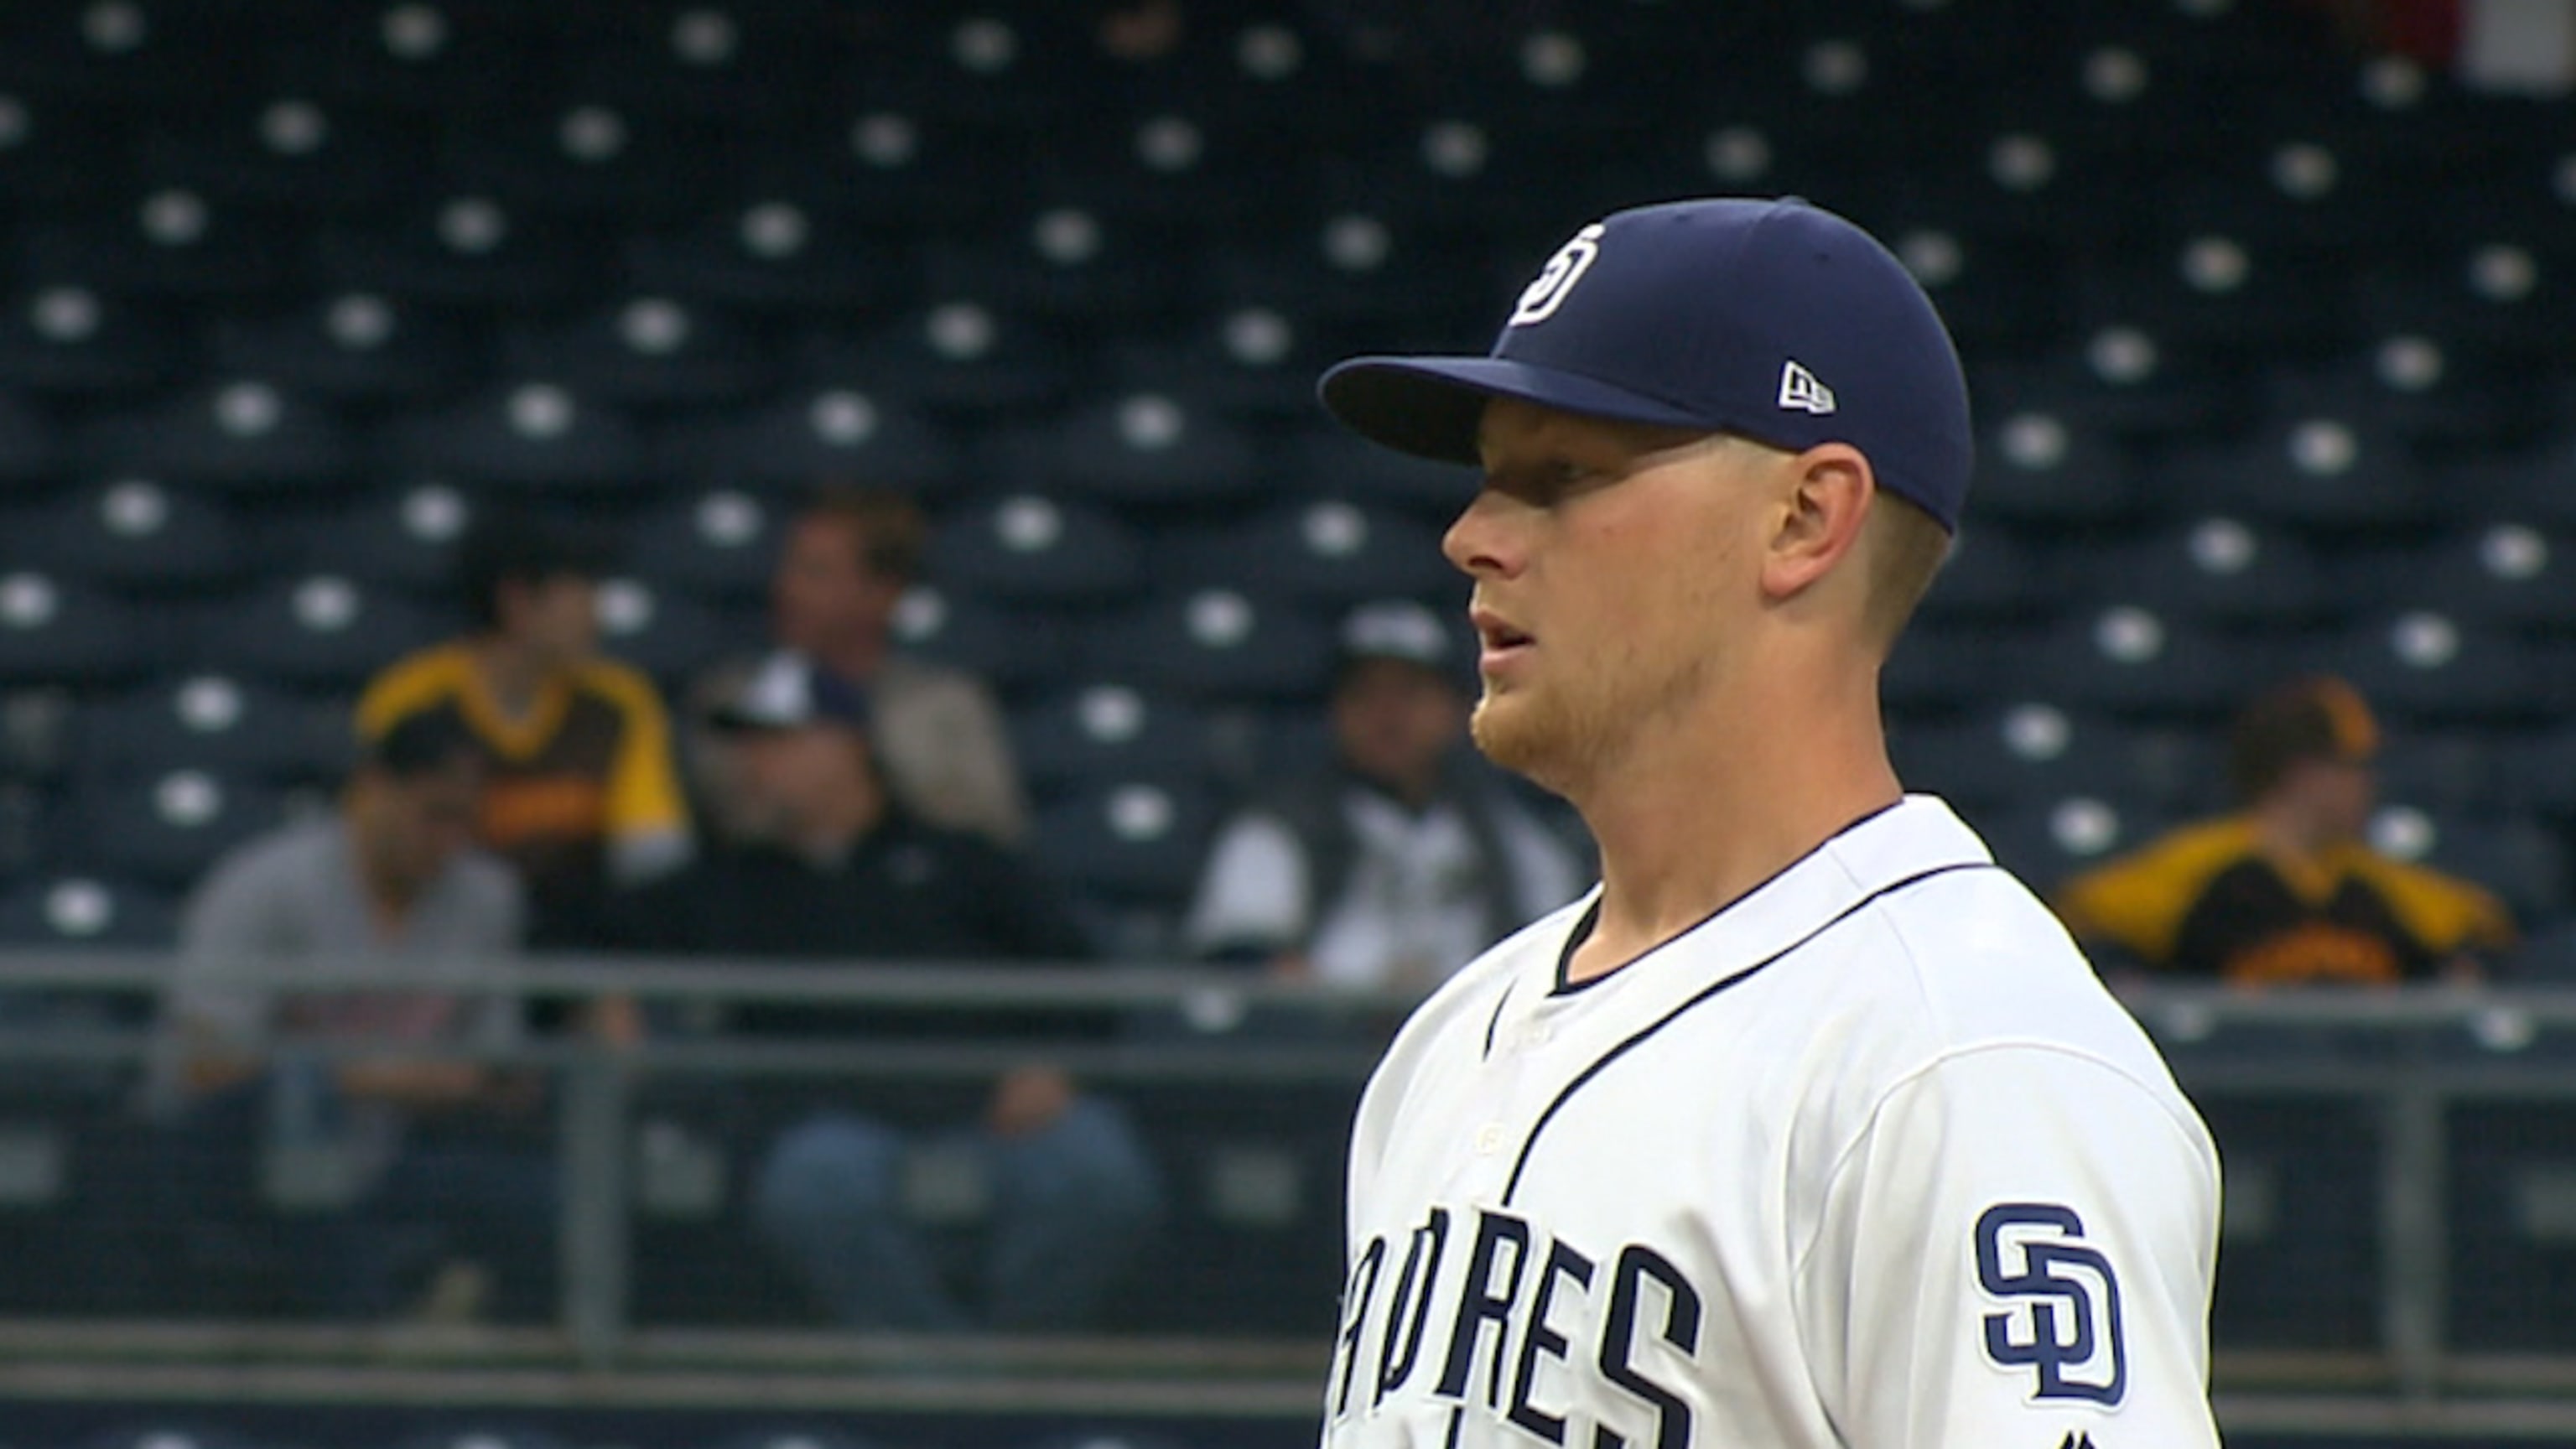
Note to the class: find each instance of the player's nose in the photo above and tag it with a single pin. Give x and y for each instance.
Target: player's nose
(1480, 542)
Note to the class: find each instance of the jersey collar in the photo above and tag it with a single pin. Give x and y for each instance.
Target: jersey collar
(1919, 834)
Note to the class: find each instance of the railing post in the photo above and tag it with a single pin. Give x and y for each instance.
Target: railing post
(593, 1249)
(2413, 1268)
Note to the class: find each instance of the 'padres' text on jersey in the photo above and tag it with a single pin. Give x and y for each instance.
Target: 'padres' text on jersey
(1867, 1159)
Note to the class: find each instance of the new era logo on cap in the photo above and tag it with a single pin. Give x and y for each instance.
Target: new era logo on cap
(1800, 391)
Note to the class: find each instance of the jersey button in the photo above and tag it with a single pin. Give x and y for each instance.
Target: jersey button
(1489, 1139)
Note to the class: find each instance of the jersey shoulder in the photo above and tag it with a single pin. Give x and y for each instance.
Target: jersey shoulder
(1975, 962)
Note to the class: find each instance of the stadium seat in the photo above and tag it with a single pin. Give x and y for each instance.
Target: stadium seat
(2532, 483)
(237, 433)
(1249, 361)
(1066, 266)
(484, 1434)
(2041, 465)
(1329, 553)
(2422, 664)
(1216, 643)
(217, 724)
(575, 157)
(2323, 472)
(644, 351)
(1991, 574)
(1026, 548)
(421, 57)
(534, 434)
(283, 152)
(459, 250)
(142, 537)
(322, 631)
(1130, 841)
(168, 245)
(1333, 462)
(2017, 755)
(2495, 292)
(1102, 732)
(27, 443)
(667, 634)
(722, 545)
(63, 909)
(2451, 774)
(400, 538)
(2217, 571)
(1142, 449)
(2129, 658)
(830, 429)
(774, 254)
(2504, 575)
(1012, 650)
(2046, 840)
(352, 347)
(166, 829)
(962, 355)
(66, 337)
(1936, 670)
(59, 632)
(2432, 393)
(2521, 862)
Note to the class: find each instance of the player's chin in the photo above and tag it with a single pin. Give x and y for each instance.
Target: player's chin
(1512, 731)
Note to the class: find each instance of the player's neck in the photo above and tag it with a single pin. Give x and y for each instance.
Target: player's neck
(1697, 818)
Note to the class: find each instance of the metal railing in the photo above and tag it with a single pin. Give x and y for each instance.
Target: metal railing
(2427, 1050)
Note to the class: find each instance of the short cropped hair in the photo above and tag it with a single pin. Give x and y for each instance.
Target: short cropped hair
(1905, 558)
(891, 531)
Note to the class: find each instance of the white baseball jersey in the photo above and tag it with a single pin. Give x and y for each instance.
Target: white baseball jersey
(1869, 1158)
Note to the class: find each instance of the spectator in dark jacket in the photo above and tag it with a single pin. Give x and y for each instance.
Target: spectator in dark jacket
(832, 870)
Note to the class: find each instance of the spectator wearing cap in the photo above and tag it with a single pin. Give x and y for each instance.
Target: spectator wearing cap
(827, 866)
(1405, 859)
(582, 793)
(2286, 891)
(421, 1133)
(937, 733)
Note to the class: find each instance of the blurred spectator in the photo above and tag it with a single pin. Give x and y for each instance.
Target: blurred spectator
(832, 869)
(2286, 890)
(1405, 860)
(409, 1145)
(937, 733)
(582, 792)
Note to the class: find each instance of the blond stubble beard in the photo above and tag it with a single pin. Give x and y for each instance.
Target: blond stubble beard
(1563, 739)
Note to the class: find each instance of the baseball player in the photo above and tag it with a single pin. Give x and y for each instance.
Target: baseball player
(1809, 1126)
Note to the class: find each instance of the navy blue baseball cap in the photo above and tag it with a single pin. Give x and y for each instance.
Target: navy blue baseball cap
(1775, 320)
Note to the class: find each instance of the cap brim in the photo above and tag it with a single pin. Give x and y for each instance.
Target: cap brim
(1431, 406)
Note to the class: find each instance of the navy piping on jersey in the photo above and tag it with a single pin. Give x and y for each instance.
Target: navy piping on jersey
(1496, 1019)
(1583, 929)
(1583, 1077)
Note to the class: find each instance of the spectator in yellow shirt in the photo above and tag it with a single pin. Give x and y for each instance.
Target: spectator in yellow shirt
(2287, 891)
(582, 794)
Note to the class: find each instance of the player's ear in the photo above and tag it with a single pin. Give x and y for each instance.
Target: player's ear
(1826, 499)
